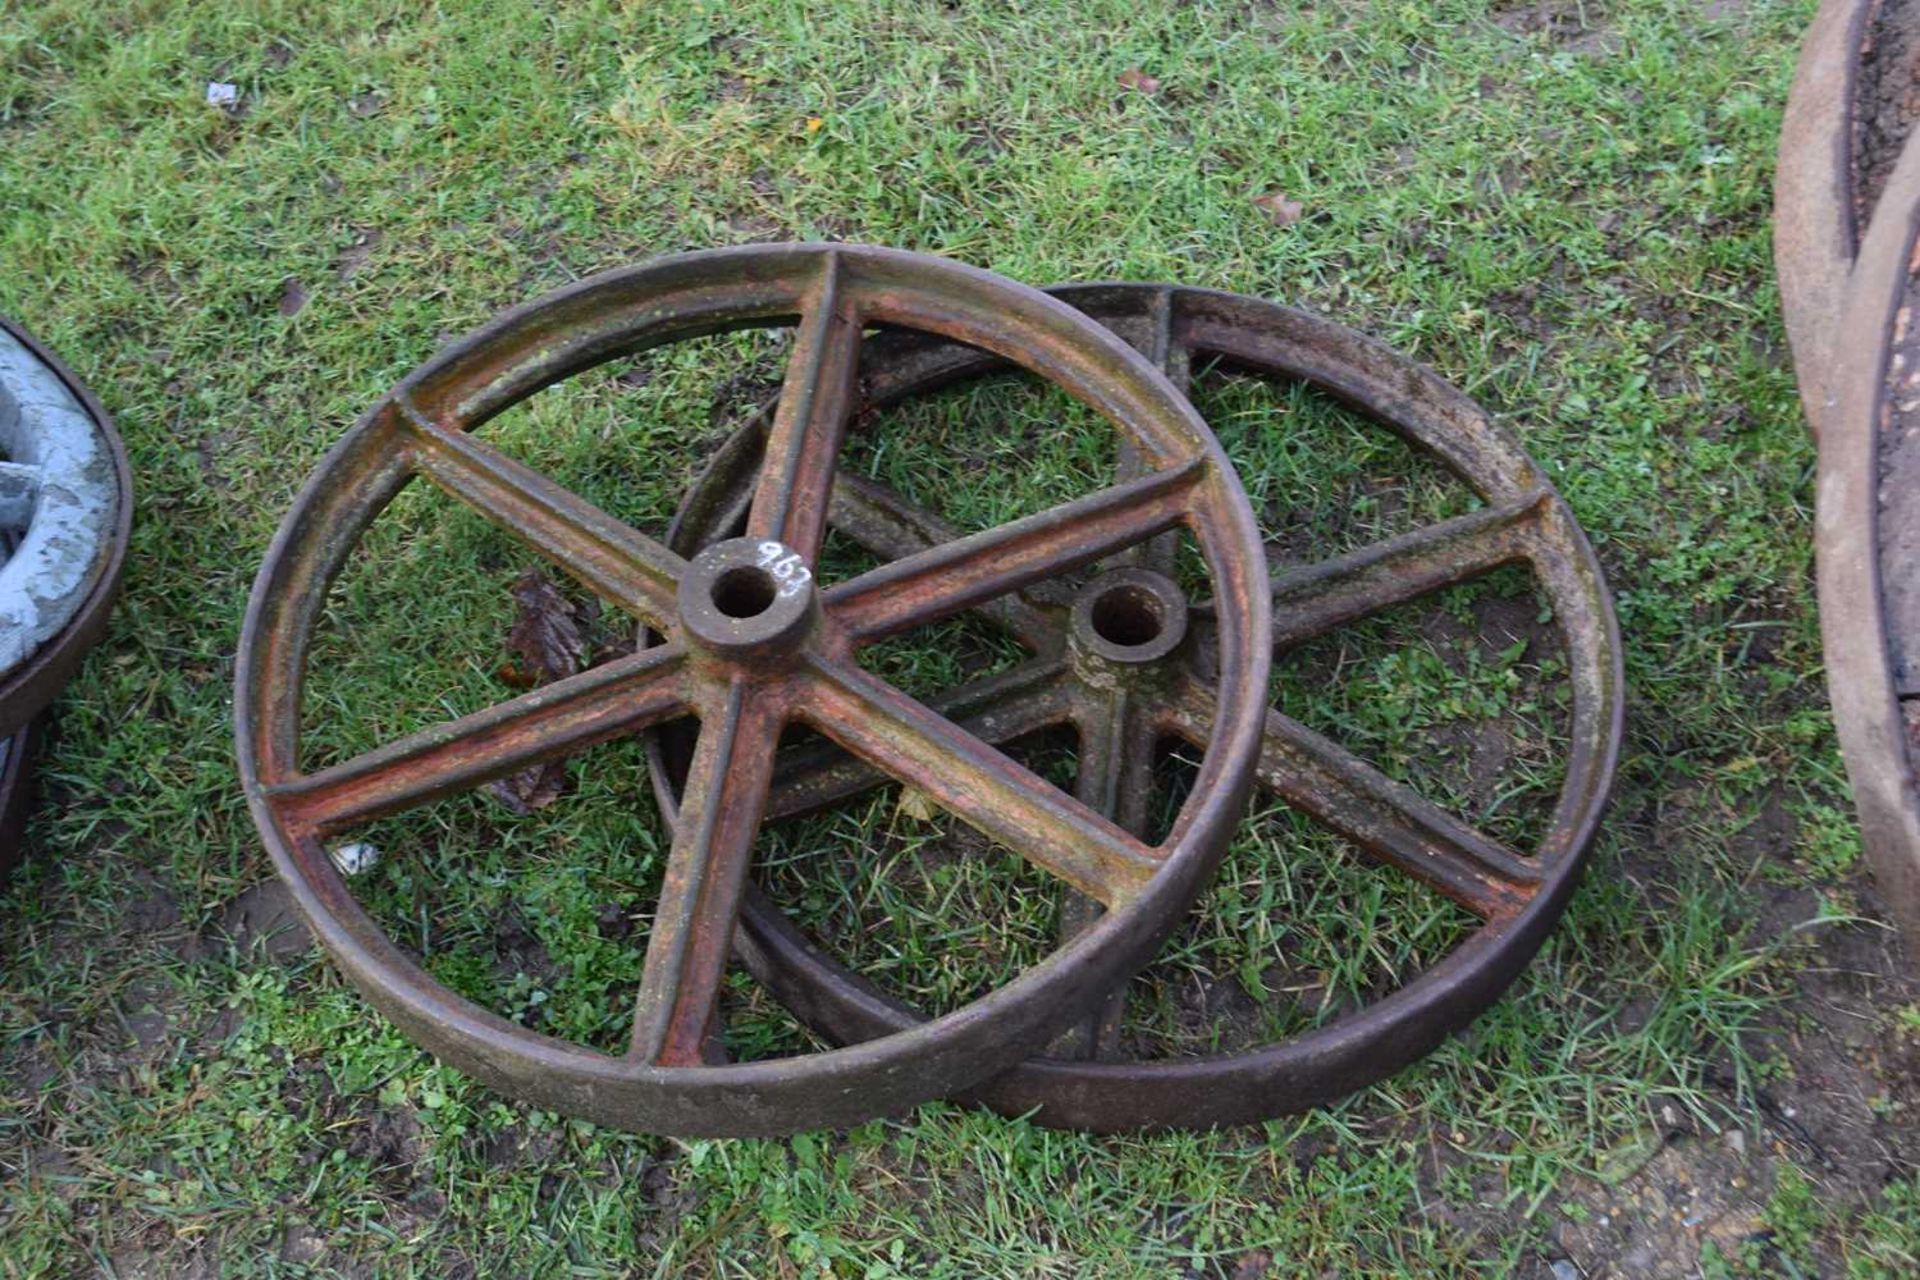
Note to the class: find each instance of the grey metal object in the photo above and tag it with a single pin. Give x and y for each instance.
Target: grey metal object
(66, 510)
(59, 502)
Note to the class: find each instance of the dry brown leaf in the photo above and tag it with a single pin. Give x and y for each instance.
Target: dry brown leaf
(546, 631)
(917, 805)
(1276, 206)
(1255, 1264)
(1139, 81)
(532, 788)
(547, 645)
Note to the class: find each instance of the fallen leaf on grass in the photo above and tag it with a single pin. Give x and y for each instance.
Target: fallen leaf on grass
(534, 787)
(546, 631)
(1139, 81)
(1255, 1264)
(547, 645)
(1276, 206)
(917, 805)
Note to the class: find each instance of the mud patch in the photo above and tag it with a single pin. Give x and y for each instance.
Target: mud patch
(1840, 1077)
(264, 917)
(1580, 28)
(139, 1262)
(1695, 1192)
(153, 909)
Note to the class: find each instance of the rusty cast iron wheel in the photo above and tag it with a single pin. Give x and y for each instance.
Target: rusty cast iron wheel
(66, 509)
(1817, 214)
(1843, 225)
(1110, 664)
(753, 643)
(1867, 537)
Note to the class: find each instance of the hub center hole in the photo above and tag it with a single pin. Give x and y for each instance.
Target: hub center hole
(1129, 616)
(743, 592)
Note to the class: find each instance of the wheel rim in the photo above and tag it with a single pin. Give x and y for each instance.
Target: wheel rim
(1866, 524)
(1816, 219)
(1518, 898)
(746, 671)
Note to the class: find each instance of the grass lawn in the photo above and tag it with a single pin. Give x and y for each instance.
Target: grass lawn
(1561, 207)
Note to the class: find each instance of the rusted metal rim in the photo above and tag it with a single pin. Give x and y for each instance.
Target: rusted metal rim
(1518, 897)
(745, 680)
(1816, 229)
(28, 686)
(1866, 523)
(1843, 272)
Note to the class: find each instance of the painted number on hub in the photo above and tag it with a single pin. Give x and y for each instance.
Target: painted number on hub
(786, 566)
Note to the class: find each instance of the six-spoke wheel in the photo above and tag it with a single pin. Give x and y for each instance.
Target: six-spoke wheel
(752, 642)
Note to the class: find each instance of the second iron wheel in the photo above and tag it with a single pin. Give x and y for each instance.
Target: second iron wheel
(1111, 661)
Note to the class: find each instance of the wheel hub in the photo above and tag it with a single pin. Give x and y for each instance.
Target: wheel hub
(1126, 619)
(749, 600)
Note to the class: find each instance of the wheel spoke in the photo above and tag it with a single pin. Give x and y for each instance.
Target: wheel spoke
(610, 701)
(706, 870)
(1115, 778)
(943, 580)
(1313, 600)
(1162, 344)
(803, 447)
(1116, 759)
(629, 570)
(889, 526)
(1344, 793)
(997, 709)
(976, 783)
